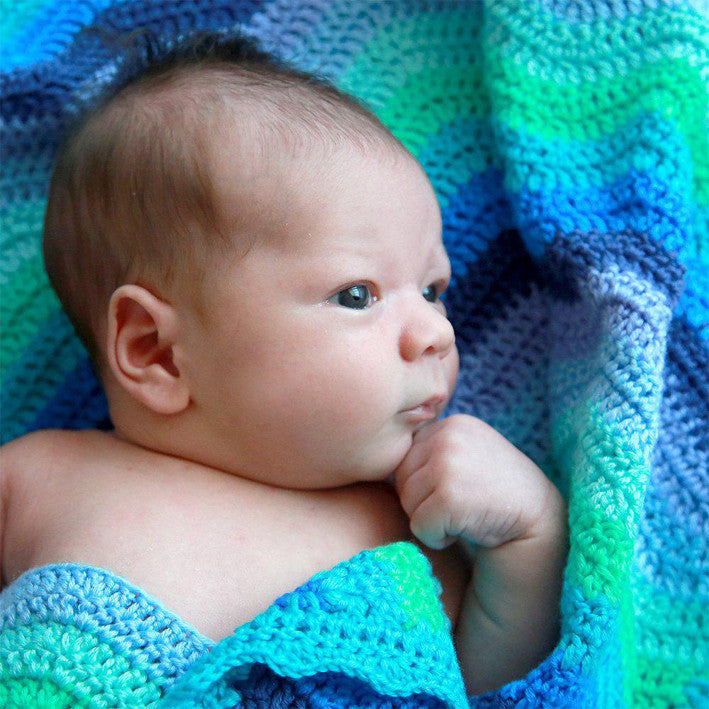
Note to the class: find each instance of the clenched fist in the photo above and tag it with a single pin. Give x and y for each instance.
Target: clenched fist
(462, 479)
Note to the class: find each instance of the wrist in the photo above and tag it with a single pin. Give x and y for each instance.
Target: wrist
(551, 521)
(534, 555)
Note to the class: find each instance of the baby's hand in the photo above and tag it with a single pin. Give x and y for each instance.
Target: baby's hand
(462, 479)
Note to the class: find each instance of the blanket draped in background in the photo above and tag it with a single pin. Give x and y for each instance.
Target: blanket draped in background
(567, 142)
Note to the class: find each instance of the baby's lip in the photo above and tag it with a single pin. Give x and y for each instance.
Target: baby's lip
(428, 409)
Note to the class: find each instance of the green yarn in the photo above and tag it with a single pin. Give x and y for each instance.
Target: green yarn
(603, 545)
(450, 31)
(663, 684)
(20, 223)
(419, 108)
(681, 617)
(562, 164)
(28, 692)
(595, 108)
(419, 589)
(606, 515)
(95, 665)
(662, 672)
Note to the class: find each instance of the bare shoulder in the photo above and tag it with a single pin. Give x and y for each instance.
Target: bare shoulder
(32, 454)
(31, 449)
(30, 459)
(33, 473)
(40, 447)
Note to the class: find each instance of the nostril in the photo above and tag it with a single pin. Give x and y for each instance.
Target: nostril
(427, 331)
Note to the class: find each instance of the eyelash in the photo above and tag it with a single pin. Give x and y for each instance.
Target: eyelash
(371, 299)
(438, 289)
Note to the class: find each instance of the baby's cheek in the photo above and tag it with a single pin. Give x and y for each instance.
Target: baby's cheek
(452, 369)
(359, 403)
(356, 404)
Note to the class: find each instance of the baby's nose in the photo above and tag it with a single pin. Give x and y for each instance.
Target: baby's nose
(427, 331)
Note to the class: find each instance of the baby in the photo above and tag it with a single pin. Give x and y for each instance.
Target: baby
(255, 264)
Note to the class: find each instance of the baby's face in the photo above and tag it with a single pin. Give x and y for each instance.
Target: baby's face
(328, 347)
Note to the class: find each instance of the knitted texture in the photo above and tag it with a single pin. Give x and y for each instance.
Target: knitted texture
(369, 632)
(78, 636)
(567, 142)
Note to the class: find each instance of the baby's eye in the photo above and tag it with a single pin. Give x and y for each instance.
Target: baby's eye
(431, 293)
(356, 297)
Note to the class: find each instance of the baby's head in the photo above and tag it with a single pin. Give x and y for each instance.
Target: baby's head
(137, 194)
(255, 264)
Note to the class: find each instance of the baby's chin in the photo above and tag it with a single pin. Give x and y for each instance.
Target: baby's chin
(381, 471)
(385, 470)
(373, 463)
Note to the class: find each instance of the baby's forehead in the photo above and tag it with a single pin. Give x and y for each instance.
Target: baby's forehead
(343, 200)
(260, 169)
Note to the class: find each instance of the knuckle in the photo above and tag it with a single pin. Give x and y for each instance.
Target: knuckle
(448, 492)
(457, 430)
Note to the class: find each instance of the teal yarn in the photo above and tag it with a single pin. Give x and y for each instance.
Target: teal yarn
(82, 636)
(567, 142)
(376, 618)
(85, 635)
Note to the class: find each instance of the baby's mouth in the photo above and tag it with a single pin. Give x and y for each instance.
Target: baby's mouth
(427, 410)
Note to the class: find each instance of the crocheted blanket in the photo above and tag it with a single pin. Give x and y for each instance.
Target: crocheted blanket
(567, 142)
(369, 632)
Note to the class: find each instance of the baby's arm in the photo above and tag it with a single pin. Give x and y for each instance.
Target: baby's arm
(463, 480)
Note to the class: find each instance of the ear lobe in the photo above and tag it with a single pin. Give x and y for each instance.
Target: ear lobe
(142, 333)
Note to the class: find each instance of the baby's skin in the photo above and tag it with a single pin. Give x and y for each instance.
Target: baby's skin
(297, 425)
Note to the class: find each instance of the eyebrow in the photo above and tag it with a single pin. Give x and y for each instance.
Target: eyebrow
(439, 254)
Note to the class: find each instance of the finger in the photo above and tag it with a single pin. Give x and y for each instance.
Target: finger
(416, 457)
(428, 430)
(430, 523)
(415, 488)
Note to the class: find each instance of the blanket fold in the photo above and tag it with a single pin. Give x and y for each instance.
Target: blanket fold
(369, 632)
(376, 618)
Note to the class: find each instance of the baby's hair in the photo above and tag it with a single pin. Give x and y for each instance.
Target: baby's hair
(132, 199)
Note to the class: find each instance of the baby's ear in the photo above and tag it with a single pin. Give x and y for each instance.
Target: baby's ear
(142, 334)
